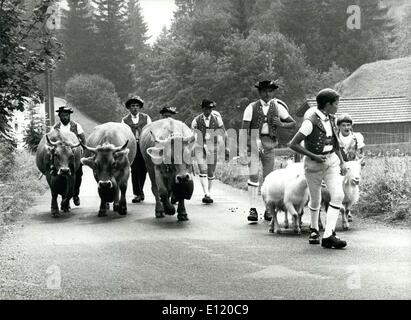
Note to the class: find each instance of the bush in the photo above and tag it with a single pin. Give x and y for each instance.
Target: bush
(95, 96)
(35, 130)
(7, 154)
(385, 191)
(21, 187)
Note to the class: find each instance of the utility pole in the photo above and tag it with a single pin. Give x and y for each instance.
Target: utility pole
(52, 23)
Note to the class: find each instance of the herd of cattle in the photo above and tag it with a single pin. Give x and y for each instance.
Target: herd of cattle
(111, 148)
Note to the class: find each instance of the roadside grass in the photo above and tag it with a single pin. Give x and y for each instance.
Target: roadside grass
(19, 186)
(385, 191)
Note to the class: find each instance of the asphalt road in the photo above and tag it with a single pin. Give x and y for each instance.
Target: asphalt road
(215, 255)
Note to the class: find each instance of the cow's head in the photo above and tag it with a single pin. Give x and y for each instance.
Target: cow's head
(106, 161)
(353, 175)
(61, 156)
(174, 155)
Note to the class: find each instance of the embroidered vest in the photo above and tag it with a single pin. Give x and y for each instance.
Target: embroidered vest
(73, 127)
(136, 127)
(258, 118)
(201, 125)
(316, 141)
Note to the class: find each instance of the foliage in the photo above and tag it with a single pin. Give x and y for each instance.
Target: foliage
(21, 187)
(7, 156)
(25, 52)
(385, 190)
(95, 96)
(35, 129)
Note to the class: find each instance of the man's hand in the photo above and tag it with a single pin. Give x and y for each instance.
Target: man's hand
(277, 122)
(319, 158)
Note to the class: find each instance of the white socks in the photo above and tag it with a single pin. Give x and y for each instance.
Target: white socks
(210, 183)
(253, 193)
(332, 217)
(204, 183)
(314, 218)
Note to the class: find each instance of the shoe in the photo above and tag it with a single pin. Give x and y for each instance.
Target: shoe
(76, 201)
(314, 237)
(333, 241)
(207, 199)
(136, 199)
(267, 216)
(142, 197)
(253, 216)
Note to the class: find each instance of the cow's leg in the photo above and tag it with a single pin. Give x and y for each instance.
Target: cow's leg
(68, 194)
(274, 226)
(271, 211)
(168, 207)
(163, 194)
(159, 210)
(300, 216)
(181, 210)
(103, 208)
(54, 194)
(116, 205)
(344, 216)
(122, 202)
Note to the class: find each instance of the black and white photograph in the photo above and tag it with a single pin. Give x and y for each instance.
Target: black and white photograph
(206, 154)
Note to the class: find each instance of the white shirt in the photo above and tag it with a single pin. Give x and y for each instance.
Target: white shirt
(66, 128)
(282, 113)
(347, 141)
(307, 127)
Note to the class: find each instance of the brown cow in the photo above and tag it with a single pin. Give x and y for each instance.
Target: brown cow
(166, 146)
(58, 158)
(112, 147)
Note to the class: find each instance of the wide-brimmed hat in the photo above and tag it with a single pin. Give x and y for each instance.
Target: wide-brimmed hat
(64, 109)
(266, 84)
(208, 104)
(168, 109)
(135, 99)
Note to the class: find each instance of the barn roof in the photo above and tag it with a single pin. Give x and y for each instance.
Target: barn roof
(369, 110)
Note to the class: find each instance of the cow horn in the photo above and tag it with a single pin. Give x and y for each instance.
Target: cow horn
(93, 150)
(54, 144)
(159, 140)
(120, 148)
(72, 145)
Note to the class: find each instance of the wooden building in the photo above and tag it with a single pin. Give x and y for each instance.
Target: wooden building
(381, 120)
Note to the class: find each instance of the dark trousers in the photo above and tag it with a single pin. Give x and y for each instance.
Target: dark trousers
(138, 173)
(79, 175)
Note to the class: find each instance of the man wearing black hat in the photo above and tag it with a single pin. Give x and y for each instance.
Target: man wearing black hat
(168, 112)
(66, 125)
(262, 119)
(136, 121)
(206, 158)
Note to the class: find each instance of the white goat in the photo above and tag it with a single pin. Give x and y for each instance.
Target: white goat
(351, 190)
(286, 190)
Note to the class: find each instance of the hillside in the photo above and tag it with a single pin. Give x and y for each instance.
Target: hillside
(381, 78)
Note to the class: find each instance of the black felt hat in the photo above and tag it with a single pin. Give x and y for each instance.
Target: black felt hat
(266, 84)
(168, 109)
(134, 99)
(64, 109)
(208, 104)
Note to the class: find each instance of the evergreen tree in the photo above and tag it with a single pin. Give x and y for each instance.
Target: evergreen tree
(78, 33)
(240, 12)
(113, 59)
(135, 29)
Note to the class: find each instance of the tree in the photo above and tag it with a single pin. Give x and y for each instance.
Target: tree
(136, 29)
(113, 59)
(240, 12)
(35, 129)
(78, 33)
(25, 52)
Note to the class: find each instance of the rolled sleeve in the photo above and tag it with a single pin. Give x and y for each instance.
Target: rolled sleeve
(306, 128)
(248, 113)
(360, 140)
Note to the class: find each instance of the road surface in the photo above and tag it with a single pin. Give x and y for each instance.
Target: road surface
(215, 255)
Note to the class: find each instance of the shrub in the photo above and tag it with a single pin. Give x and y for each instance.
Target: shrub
(386, 189)
(35, 129)
(95, 96)
(7, 153)
(21, 187)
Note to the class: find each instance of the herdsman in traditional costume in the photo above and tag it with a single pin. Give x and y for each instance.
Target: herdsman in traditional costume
(262, 119)
(136, 120)
(66, 125)
(209, 124)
